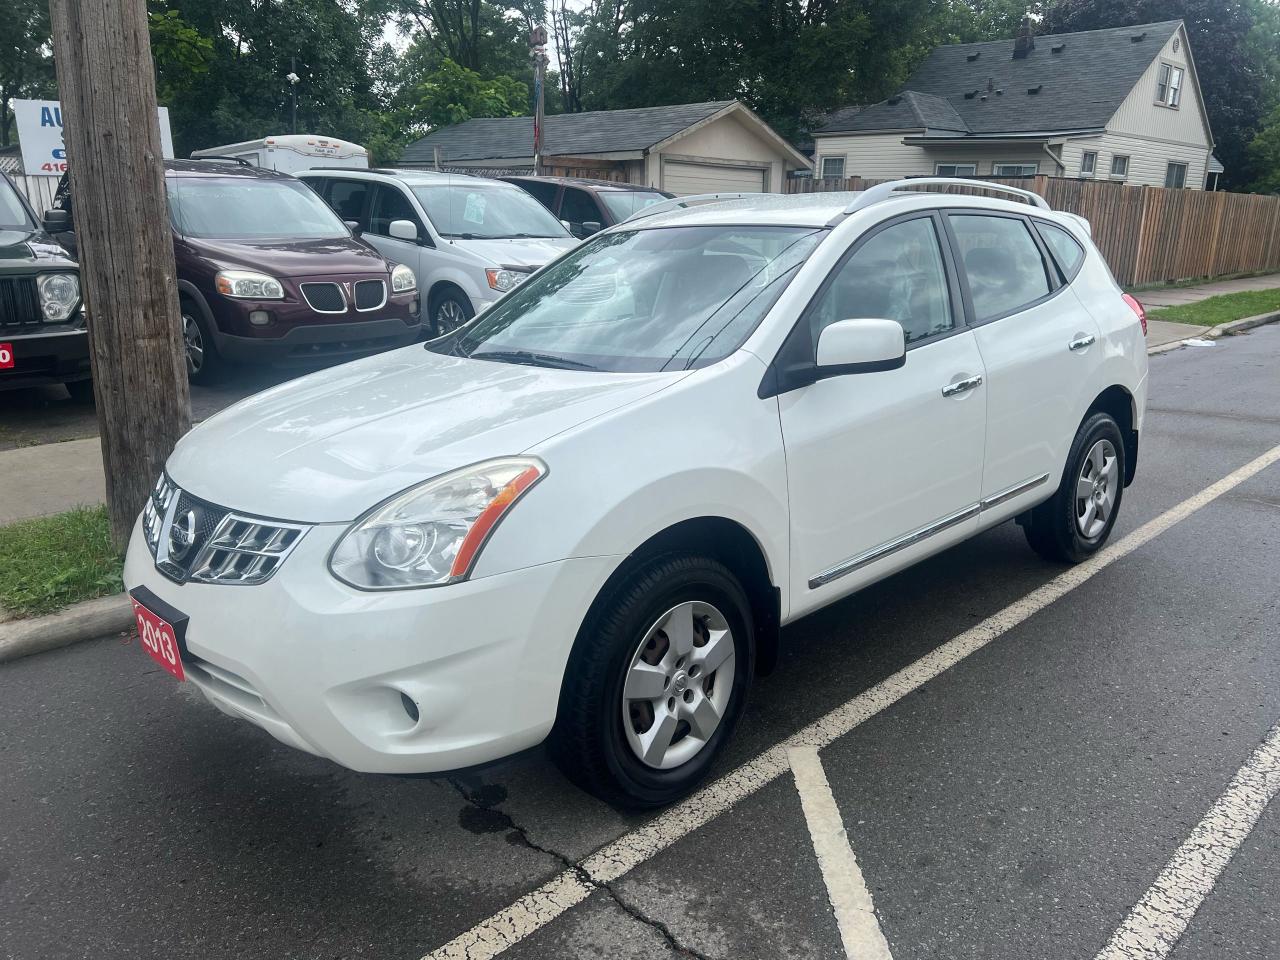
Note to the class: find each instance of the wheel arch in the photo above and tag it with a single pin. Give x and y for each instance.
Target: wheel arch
(444, 286)
(189, 291)
(1117, 401)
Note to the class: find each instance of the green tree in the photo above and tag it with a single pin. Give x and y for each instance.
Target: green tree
(26, 60)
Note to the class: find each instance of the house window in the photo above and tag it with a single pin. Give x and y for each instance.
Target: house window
(1088, 163)
(1175, 176)
(832, 167)
(1014, 169)
(1169, 85)
(955, 169)
(1119, 166)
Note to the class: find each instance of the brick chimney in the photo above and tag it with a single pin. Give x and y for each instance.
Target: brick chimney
(1025, 42)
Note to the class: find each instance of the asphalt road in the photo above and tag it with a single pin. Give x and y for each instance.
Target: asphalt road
(1019, 805)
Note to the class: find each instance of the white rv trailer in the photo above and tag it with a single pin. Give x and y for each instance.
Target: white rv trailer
(289, 153)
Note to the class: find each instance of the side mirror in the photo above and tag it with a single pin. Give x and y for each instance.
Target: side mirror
(566, 225)
(57, 221)
(354, 227)
(403, 230)
(590, 226)
(860, 346)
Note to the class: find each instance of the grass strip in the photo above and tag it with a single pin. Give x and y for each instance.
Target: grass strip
(51, 562)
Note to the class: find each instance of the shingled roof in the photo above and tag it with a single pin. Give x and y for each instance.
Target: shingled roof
(566, 134)
(980, 89)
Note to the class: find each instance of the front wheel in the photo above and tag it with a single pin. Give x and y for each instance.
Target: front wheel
(656, 682)
(1075, 523)
(204, 365)
(450, 309)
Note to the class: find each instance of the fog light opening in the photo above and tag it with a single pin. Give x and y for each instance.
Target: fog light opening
(410, 708)
(259, 318)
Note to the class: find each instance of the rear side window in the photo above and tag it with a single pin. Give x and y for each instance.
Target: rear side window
(347, 197)
(1002, 262)
(897, 274)
(1066, 250)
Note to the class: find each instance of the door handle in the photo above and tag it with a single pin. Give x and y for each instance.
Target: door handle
(1081, 342)
(961, 386)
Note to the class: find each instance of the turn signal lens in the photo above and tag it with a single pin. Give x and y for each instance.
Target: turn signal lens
(1137, 308)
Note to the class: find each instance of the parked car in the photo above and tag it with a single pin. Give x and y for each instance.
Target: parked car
(588, 206)
(269, 274)
(470, 240)
(585, 515)
(42, 324)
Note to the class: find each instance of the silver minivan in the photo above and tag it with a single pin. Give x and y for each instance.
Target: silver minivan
(468, 239)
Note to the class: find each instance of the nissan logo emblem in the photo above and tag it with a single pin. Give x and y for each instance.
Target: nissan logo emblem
(182, 535)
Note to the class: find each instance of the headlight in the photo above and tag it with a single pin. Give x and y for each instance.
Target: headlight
(431, 534)
(503, 279)
(402, 279)
(247, 285)
(59, 294)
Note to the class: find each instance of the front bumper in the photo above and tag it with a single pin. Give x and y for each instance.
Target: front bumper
(54, 353)
(303, 344)
(328, 669)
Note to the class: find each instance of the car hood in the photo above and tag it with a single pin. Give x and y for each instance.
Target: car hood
(528, 252)
(31, 247)
(328, 446)
(292, 258)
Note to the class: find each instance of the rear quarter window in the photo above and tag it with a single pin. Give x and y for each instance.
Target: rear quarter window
(1065, 248)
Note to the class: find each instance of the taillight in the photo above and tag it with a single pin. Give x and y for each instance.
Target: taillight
(1136, 307)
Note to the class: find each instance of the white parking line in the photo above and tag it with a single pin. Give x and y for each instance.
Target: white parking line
(538, 908)
(846, 889)
(1155, 925)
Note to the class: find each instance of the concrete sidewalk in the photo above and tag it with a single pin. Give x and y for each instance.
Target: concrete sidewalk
(50, 478)
(1177, 296)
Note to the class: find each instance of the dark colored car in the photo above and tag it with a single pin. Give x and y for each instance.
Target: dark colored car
(588, 206)
(267, 273)
(42, 324)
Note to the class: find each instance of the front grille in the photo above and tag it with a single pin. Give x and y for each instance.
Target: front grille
(19, 302)
(370, 294)
(192, 539)
(324, 297)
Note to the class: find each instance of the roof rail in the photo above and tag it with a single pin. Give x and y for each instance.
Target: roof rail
(883, 191)
(675, 202)
(217, 156)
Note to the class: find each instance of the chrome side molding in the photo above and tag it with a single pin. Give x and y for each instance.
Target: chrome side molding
(845, 567)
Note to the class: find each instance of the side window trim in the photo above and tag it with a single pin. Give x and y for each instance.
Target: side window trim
(1049, 265)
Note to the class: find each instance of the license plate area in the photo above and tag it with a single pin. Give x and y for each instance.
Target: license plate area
(6, 356)
(162, 631)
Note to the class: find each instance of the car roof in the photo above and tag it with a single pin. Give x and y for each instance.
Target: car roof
(582, 182)
(220, 168)
(408, 177)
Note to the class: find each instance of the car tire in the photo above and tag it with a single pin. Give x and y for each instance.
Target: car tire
(1075, 523)
(81, 391)
(600, 735)
(450, 308)
(204, 364)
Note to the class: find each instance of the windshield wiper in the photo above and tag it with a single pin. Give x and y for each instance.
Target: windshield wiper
(531, 359)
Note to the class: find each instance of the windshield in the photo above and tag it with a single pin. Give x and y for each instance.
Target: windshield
(485, 212)
(239, 208)
(670, 298)
(12, 212)
(623, 203)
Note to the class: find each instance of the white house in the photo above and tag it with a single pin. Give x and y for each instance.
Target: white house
(1119, 104)
(683, 148)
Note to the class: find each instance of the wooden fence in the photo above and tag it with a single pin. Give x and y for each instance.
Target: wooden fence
(1150, 234)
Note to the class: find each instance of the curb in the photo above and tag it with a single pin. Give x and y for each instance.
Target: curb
(1221, 330)
(83, 621)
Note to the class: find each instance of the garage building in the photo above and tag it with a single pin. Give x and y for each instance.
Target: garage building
(688, 148)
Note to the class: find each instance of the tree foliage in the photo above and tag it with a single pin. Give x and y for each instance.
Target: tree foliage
(26, 61)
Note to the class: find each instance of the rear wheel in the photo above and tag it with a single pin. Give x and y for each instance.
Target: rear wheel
(1076, 522)
(656, 682)
(204, 365)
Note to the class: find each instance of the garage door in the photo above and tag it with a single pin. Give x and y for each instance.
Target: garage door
(685, 178)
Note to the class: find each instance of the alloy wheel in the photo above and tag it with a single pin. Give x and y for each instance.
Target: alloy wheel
(1096, 489)
(449, 316)
(193, 341)
(678, 685)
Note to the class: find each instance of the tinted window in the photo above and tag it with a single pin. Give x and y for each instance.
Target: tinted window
(895, 275)
(577, 207)
(239, 208)
(1068, 252)
(623, 203)
(347, 198)
(389, 203)
(670, 298)
(12, 212)
(483, 210)
(1002, 261)
(540, 190)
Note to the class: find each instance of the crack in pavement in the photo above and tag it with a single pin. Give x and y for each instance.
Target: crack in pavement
(507, 822)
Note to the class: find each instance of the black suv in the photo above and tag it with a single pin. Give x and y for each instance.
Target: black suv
(42, 324)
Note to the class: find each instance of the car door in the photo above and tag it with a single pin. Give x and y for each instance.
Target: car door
(388, 204)
(885, 467)
(1037, 344)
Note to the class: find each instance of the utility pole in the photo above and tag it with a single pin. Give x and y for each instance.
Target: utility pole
(106, 84)
(538, 45)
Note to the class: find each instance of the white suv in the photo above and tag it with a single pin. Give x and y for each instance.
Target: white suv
(467, 239)
(585, 515)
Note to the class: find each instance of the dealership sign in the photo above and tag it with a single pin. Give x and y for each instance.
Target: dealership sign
(40, 131)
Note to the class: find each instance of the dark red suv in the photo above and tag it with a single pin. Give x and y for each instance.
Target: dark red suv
(267, 273)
